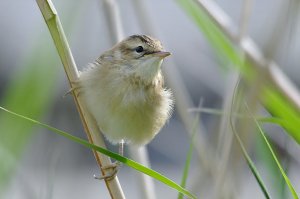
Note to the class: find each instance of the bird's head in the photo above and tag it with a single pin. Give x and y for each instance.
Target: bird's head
(139, 55)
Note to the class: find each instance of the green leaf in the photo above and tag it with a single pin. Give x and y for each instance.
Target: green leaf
(272, 173)
(251, 164)
(287, 180)
(287, 116)
(116, 156)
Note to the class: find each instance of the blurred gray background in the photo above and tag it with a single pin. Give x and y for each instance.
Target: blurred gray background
(54, 167)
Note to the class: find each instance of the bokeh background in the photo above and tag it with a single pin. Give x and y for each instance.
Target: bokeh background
(36, 163)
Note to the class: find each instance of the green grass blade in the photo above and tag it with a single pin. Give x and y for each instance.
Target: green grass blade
(188, 158)
(272, 173)
(186, 168)
(287, 180)
(251, 164)
(116, 156)
(287, 115)
(244, 151)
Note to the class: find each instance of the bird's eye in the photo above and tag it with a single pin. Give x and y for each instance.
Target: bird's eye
(139, 49)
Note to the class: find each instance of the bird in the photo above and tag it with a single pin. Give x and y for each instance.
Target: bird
(124, 91)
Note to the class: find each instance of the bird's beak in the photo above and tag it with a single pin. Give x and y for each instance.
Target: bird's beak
(161, 54)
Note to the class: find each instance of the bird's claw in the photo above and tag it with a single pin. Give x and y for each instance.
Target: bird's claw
(111, 174)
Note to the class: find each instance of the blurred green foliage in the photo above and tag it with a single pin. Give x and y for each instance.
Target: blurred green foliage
(30, 92)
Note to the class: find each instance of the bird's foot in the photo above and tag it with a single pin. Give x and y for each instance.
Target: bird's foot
(111, 171)
(75, 87)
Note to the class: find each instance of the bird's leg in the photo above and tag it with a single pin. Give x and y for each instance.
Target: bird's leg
(121, 147)
(114, 167)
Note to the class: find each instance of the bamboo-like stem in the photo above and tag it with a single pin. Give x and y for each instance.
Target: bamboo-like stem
(115, 27)
(146, 183)
(245, 17)
(92, 131)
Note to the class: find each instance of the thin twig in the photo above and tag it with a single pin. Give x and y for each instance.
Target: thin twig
(145, 183)
(245, 17)
(115, 27)
(90, 126)
(225, 139)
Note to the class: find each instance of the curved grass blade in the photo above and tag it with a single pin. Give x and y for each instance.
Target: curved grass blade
(287, 180)
(190, 152)
(271, 171)
(116, 156)
(251, 164)
(187, 165)
(244, 151)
